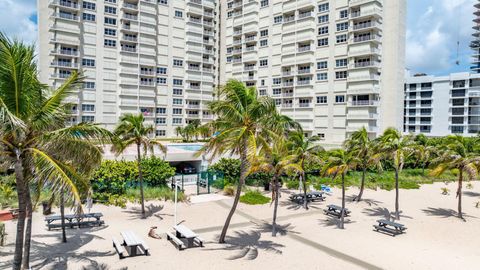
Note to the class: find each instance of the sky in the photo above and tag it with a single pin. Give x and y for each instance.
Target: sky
(434, 28)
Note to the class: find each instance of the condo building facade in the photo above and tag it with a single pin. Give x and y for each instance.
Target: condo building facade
(440, 106)
(475, 44)
(334, 66)
(157, 57)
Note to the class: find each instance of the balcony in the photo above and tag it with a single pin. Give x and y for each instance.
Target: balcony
(65, 52)
(287, 105)
(66, 16)
(304, 71)
(129, 50)
(371, 77)
(130, 6)
(197, 2)
(60, 76)
(366, 25)
(193, 106)
(287, 73)
(209, 23)
(147, 83)
(147, 72)
(237, 41)
(130, 17)
(247, 68)
(305, 105)
(208, 14)
(289, 19)
(66, 4)
(304, 82)
(64, 64)
(304, 49)
(366, 38)
(366, 64)
(305, 15)
(376, 12)
(287, 84)
(129, 38)
(237, 32)
(194, 87)
(195, 20)
(360, 103)
(353, 3)
(252, 38)
(194, 68)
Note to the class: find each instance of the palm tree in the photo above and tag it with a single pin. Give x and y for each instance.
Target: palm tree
(398, 148)
(458, 153)
(423, 151)
(307, 150)
(244, 125)
(341, 161)
(131, 130)
(34, 139)
(276, 160)
(360, 143)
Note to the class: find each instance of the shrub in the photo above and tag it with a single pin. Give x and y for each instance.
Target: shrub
(8, 196)
(259, 179)
(156, 171)
(229, 190)
(254, 197)
(292, 184)
(445, 191)
(154, 193)
(230, 168)
(469, 186)
(114, 176)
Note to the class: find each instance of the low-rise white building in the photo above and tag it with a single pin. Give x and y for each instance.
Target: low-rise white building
(440, 106)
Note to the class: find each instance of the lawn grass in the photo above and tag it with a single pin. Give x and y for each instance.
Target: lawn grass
(254, 197)
(408, 179)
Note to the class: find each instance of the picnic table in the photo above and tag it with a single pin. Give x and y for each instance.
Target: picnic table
(75, 220)
(335, 210)
(389, 227)
(311, 197)
(181, 231)
(133, 242)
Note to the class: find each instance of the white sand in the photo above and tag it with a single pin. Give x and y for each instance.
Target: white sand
(434, 240)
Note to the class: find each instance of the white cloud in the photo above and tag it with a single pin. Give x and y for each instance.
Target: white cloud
(15, 19)
(433, 34)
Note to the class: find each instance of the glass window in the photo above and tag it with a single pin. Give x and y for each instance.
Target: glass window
(322, 100)
(340, 99)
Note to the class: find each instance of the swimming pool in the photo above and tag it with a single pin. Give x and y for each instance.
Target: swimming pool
(187, 147)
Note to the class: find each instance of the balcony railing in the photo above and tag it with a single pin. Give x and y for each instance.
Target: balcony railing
(305, 105)
(305, 15)
(146, 72)
(364, 25)
(363, 103)
(304, 82)
(66, 16)
(130, 17)
(249, 68)
(64, 64)
(65, 52)
(198, 2)
(130, 6)
(304, 49)
(128, 38)
(303, 71)
(195, 20)
(289, 83)
(289, 19)
(128, 49)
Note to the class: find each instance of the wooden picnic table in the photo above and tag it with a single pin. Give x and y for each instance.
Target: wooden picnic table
(336, 210)
(311, 196)
(131, 240)
(389, 227)
(182, 231)
(75, 219)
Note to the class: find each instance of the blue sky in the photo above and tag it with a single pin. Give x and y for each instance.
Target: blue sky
(433, 29)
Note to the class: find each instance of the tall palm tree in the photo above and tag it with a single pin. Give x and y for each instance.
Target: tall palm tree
(361, 144)
(277, 160)
(398, 148)
(34, 139)
(424, 151)
(458, 153)
(132, 130)
(341, 161)
(306, 150)
(244, 125)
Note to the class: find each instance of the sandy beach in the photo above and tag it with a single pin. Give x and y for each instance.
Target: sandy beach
(435, 238)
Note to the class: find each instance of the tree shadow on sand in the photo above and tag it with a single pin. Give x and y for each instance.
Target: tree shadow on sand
(281, 229)
(370, 202)
(101, 266)
(471, 194)
(297, 206)
(383, 212)
(150, 210)
(334, 222)
(247, 245)
(443, 212)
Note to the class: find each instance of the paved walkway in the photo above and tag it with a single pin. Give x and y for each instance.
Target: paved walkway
(255, 221)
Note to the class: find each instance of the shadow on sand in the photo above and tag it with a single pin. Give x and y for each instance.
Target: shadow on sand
(443, 212)
(247, 245)
(57, 255)
(471, 194)
(150, 210)
(370, 202)
(334, 222)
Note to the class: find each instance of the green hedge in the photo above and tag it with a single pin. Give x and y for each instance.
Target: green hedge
(114, 177)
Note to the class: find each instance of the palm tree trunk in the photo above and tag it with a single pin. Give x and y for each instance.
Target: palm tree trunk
(62, 214)
(362, 186)
(28, 231)
(275, 206)
(305, 201)
(243, 174)
(342, 214)
(140, 177)
(459, 193)
(21, 187)
(397, 211)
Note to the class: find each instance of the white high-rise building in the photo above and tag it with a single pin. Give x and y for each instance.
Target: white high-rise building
(157, 57)
(440, 106)
(334, 66)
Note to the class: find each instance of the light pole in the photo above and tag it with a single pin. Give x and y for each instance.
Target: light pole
(176, 195)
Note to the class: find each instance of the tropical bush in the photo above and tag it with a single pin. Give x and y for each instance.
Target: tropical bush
(8, 194)
(254, 197)
(154, 193)
(114, 177)
(229, 190)
(230, 168)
